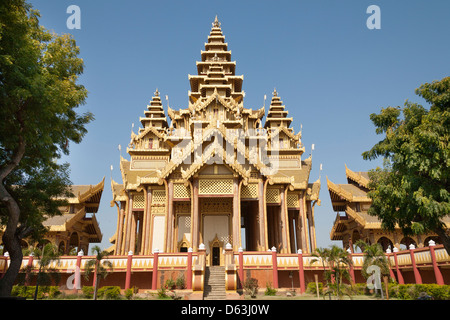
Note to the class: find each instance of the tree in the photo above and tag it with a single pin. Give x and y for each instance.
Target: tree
(46, 256)
(412, 191)
(39, 93)
(338, 262)
(320, 254)
(373, 255)
(98, 267)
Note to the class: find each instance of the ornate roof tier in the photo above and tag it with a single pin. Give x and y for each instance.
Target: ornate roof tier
(154, 116)
(277, 115)
(79, 215)
(215, 125)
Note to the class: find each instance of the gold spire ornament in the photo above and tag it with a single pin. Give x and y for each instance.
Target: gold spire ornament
(216, 23)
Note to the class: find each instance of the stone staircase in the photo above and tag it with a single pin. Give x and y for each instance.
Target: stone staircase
(214, 287)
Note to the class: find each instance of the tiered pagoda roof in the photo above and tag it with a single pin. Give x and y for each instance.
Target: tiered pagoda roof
(154, 116)
(215, 105)
(277, 115)
(85, 200)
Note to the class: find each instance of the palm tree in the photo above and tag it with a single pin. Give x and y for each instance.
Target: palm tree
(321, 254)
(99, 267)
(47, 255)
(374, 255)
(338, 261)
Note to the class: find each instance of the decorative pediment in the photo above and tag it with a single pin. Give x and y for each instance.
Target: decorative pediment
(230, 104)
(150, 131)
(207, 149)
(215, 154)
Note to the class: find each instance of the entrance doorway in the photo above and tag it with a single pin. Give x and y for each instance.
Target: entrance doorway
(249, 226)
(215, 256)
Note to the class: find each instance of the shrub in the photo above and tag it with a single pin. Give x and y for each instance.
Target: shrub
(109, 292)
(360, 289)
(269, 290)
(53, 292)
(311, 288)
(438, 292)
(129, 292)
(88, 292)
(28, 291)
(162, 293)
(251, 287)
(414, 291)
(170, 284)
(180, 283)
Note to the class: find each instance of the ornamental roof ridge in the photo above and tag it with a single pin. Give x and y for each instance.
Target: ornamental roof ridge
(92, 190)
(139, 136)
(212, 151)
(206, 134)
(337, 189)
(199, 105)
(358, 177)
(355, 215)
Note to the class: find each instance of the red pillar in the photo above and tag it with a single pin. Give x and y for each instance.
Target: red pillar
(399, 274)
(128, 275)
(188, 270)
(301, 271)
(417, 276)
(437, 272)
(391, 273)
(275, 268)
(241, 267)
(155, 269)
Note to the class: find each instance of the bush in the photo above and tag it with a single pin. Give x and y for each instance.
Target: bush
(311, 288)
(109, 292)
(53, 292)
(180, 283)
(251, 287)
(438, 292)
(162, 293)
(269, 290)
(27, 292)
(414, 291)
(170, 284)
(88, 292)
(130, 292)
(360, 289)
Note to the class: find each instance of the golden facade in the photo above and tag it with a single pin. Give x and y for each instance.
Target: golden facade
(77, 226)
(352, 222)
(216, 174)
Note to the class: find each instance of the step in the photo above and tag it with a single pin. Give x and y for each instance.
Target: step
(214, 288)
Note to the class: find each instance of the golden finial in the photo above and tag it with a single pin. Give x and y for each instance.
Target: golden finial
(156, 93)
(216, 23)
(275, 93)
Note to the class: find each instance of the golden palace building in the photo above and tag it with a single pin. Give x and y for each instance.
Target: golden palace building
(215, 173)
(216, 193)
(351, 203)
(77, 226)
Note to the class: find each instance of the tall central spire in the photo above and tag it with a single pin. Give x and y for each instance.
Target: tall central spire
(216, 71)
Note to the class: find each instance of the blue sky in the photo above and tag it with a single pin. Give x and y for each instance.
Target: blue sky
(330, 70)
